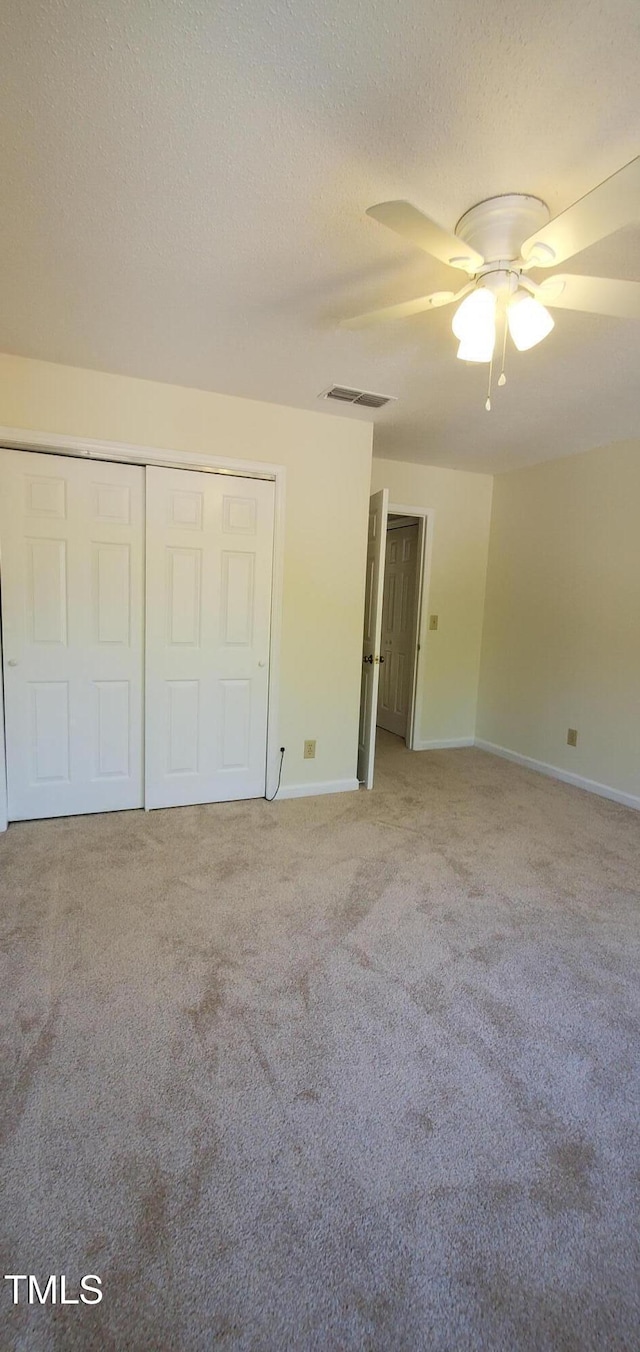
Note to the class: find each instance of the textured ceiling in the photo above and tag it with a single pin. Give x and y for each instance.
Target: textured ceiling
(184, 186)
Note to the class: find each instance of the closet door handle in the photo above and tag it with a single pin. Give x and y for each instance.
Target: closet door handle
(262, 662)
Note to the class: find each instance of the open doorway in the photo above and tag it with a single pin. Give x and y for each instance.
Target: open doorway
(399, 636)
(395, 609)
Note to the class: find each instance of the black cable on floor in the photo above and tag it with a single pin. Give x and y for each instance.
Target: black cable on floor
(270, 800)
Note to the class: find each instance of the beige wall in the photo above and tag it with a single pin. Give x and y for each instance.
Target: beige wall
(328, 463)
(561, 644)
(561, 641)
(461, 503)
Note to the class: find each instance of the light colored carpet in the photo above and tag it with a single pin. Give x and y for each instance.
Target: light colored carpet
(354, 1072)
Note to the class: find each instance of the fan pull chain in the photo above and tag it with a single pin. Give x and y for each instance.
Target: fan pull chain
(502, 379)
(488, 402)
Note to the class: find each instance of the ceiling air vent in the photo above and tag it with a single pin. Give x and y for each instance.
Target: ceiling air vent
(364, 398)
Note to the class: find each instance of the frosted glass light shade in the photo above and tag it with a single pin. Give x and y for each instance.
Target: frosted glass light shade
(529, 322)
(478, 349)
(474, 323)
(475, 315)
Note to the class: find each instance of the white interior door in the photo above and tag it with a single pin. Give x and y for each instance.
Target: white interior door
(209, 565)
(378, 506)
(72, 611)
(398, 628)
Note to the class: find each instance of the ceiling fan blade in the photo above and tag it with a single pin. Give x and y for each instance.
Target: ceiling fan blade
(407, 307)
(599, 295)
(615, 203)
(407, 221)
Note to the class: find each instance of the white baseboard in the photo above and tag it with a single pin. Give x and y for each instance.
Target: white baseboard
(311, 790)
(443, 744)
(567, 776)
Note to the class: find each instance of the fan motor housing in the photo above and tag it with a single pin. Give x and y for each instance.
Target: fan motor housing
(498, 226)
(502, 279)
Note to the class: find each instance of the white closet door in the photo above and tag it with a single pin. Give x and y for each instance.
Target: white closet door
(209, 563)
(72, 609)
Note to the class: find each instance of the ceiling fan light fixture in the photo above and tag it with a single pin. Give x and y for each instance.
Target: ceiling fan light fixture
(497, 242)
(529, 322)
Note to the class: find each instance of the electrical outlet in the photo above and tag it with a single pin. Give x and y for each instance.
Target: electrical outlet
(309, 750)
(572, 736)
(433, 621)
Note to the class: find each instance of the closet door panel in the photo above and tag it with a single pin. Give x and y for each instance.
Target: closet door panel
(72, 535)
(209, 567)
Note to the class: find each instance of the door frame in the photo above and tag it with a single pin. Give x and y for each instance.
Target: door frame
(87, 448)
(372, 620)
(426, 524)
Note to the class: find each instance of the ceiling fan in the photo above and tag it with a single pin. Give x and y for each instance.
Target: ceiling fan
(496, 244)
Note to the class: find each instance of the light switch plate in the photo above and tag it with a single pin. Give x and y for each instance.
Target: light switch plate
(433, 621)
